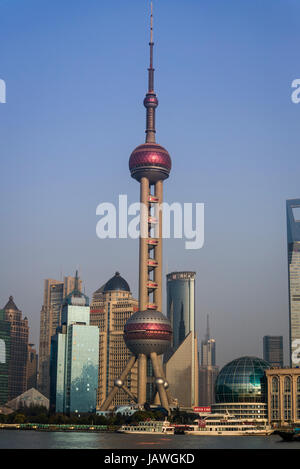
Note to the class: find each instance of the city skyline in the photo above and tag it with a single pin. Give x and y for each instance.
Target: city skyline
(239, 160)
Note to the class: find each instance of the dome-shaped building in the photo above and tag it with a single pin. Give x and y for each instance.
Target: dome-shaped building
(116, 283)
(241, 388)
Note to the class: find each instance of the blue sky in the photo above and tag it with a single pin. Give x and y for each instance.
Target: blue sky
(76, 76)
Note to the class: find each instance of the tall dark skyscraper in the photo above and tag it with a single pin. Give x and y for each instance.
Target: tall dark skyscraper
(19, 333)
(273, 350)
(208, 371)
(147, 333)
(208, 348)
(293, 241)
(4, 356)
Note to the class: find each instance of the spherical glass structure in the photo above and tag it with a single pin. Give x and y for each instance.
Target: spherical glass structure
(242, 380)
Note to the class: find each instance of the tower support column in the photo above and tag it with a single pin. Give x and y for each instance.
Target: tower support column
(142, 379)
(159, 381)
(143, 267)
(158, 248)
(115, 389)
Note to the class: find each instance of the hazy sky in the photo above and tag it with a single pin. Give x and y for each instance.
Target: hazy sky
(76, 73)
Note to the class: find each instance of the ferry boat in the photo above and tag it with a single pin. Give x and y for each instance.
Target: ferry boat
(228, 425)
(149, 426)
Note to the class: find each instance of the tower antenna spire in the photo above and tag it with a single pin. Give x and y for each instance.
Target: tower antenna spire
(150, 101)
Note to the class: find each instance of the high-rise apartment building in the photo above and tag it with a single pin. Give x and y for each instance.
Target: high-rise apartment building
(273, 350)
(74, 358)
(54, 293)
(293, 245)
(111, 306)
(4, 357)
(181, 304)
(19, 333)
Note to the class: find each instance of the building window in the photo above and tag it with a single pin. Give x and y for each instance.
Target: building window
(287, 399)
(275, 399)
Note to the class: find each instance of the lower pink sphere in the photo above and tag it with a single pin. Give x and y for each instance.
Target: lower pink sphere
(148, 331)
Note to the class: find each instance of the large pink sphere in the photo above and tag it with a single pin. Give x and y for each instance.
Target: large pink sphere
(150, 160)
(148, 331)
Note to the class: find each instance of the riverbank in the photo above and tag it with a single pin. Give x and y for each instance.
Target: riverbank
(58, 427)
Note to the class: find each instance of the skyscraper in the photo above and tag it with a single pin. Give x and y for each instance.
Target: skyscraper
(208, 348)
(112, 305)
(4, 357)
(74, 357)
(273, 350)
(54, 293)
(208, 371)
(181, 361)
(148, 331)
(19, 333)
(32, 367)
(293, 246)
(181, 304)
(182, 372)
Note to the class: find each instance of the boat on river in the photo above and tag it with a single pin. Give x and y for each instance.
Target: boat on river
(228, 425)
(148, 427)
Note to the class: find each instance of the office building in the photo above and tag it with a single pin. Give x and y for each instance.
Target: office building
(112, 305)
(19, 333)
(293, 247)
(181, 304)
(54, 293)
(4, 357)
(74, 358)
(182, 373)
(273, 350)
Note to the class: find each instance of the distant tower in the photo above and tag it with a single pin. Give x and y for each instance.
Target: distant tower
(208, 371)
(148, 332)
(293, 241)
(208, 348)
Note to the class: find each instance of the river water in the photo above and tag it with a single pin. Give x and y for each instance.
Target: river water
(18, 439)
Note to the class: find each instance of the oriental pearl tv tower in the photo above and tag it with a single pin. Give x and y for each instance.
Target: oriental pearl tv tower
(148, 333)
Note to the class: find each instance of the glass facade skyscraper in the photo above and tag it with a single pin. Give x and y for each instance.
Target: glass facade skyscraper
(74, 358)
(181, 304)
(293, 241)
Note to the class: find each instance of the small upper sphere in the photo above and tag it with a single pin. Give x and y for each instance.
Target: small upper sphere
(148, 331)
(150, 160)
(150, 100)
